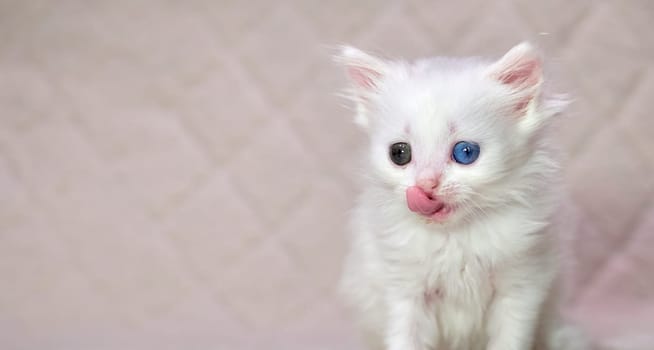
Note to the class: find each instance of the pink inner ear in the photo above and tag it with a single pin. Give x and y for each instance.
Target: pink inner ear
(521, 74)
(522, 105)
(363, 77)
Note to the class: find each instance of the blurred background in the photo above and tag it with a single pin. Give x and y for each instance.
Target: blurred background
(177, 174)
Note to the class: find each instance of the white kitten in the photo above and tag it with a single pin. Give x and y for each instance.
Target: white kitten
(453, 246)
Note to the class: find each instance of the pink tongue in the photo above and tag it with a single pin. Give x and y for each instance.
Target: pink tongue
(420, 203)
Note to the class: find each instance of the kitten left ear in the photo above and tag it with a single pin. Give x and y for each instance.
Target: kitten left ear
(521, 71)
(365, 73)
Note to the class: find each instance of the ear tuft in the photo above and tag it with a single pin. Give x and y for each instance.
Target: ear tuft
(364, 70)
(521, 71)
(520, 68)
(365, 73)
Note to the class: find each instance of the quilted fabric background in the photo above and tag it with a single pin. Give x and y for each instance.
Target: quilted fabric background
(177, 174)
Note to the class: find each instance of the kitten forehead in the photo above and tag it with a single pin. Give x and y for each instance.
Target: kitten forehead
(437, 99)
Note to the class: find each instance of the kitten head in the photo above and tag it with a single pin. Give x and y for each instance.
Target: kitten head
(453, 138)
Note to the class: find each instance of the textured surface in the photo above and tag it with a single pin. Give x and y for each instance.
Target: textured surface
(177, 174)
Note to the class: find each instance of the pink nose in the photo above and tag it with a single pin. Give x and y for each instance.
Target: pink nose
(428, 185)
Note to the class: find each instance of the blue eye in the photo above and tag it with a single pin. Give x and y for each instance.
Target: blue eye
(465, 152)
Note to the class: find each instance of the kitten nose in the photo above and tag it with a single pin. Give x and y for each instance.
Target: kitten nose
(428, 184)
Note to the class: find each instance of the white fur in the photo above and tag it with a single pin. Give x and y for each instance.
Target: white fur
(486, 277)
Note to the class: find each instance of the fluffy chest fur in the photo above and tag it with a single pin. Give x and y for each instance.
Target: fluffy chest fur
(457, 288)
(449, 271)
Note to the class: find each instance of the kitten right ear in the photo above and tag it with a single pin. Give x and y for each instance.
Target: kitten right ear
(365, 73)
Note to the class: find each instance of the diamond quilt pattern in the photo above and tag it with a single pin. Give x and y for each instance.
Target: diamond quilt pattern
(178, 174)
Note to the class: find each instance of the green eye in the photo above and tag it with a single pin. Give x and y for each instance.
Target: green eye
(400, 153)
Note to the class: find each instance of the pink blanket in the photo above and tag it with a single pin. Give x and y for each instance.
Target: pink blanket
(177, 174)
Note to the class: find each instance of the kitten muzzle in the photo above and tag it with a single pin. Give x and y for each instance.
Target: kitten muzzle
(423, 203)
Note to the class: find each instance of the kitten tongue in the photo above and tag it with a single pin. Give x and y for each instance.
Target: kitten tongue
(419, 202)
